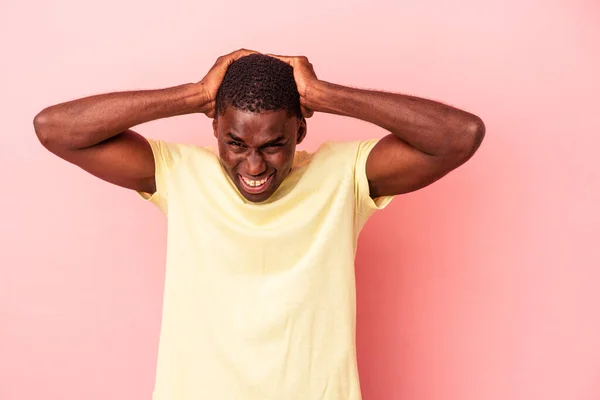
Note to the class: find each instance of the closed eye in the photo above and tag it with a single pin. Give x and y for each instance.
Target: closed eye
(236, 144)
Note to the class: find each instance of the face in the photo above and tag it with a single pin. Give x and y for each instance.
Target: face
(257, 149)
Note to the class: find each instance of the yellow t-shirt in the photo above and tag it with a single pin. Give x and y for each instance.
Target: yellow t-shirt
(259, 299)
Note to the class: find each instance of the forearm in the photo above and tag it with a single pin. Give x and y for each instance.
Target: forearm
(432, 127)
(91, 120)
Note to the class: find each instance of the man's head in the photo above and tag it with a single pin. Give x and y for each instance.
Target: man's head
(258, 123)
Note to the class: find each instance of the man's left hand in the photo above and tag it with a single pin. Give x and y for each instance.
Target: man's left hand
(305, 78)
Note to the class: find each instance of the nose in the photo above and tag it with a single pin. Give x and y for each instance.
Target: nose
(256, 164)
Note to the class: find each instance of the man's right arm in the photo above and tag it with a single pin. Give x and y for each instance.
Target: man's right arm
(94, 132)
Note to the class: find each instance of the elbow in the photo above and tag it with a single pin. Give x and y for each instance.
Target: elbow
(45, 126)
(472, 136)
(41, 124)
(476, 133)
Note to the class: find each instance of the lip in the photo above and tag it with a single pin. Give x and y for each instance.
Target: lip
(256, 189)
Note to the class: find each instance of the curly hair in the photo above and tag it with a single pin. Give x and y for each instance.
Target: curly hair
(258, 83)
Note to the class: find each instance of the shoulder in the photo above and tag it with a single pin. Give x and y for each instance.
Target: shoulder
(349, 153)
(172, 153)
(334, 149)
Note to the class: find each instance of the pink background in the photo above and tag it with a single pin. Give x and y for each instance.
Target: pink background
(482, 286)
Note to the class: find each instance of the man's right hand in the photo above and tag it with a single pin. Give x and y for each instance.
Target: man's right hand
(94, 132)
(211, 82)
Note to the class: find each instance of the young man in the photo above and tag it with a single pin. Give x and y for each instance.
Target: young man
(259, 298)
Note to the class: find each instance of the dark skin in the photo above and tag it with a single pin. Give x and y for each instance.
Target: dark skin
(427, 139)
(95, 132)
(257, 146)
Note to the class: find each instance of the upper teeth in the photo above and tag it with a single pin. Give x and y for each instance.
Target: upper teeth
(254, 183)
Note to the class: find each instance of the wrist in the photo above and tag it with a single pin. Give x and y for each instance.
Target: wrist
(198, 97)
(316, 95)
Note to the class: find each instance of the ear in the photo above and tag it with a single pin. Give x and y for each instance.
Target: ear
(301, 130)
(215, 125)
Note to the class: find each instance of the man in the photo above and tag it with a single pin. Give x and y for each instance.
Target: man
(259, 298)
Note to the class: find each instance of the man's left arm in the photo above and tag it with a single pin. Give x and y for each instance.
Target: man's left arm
(428, 139)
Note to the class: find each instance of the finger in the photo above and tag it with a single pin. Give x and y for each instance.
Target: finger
(234, 55)
(306, 112)
(242, 53)
(245, 52)
(286, 59)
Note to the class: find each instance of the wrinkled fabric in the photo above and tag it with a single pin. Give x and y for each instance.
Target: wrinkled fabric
(259, 299)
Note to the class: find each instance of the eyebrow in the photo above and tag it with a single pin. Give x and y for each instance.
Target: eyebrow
(239, 139)
(236, 138)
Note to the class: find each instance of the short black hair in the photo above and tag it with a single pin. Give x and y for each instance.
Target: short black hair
(258, 83)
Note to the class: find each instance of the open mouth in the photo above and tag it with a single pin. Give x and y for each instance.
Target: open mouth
(255, 186)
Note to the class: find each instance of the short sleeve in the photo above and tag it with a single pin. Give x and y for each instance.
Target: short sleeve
(365, 205)
(166, 156)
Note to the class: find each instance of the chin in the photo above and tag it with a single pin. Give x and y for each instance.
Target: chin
(256, 198)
